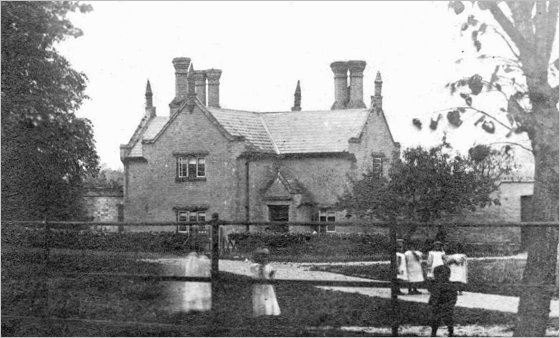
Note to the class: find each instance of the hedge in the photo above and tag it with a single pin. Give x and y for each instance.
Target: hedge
(342, 244)
(103, 240)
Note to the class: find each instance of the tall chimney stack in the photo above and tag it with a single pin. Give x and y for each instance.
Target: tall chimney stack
(200, 84)
(213, 76)
(181, 65)
(150, 109)
(356, 69)
(340, 70)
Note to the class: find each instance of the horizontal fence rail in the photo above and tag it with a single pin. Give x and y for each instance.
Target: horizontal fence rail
(215, 279)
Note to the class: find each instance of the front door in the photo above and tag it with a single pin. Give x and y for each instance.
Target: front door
(279, 213)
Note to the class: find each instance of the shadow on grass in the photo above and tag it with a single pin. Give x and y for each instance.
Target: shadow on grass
(26, 292)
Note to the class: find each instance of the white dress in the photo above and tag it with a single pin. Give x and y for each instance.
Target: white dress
(197, 296)
(435, 258)
(458, 266)
(264, 297)
(402, 274)
(414, 266)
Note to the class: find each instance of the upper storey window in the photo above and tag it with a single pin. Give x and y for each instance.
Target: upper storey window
(191, 167)
(378, 165)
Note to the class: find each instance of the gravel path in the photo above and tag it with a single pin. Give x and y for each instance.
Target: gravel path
(301, 271)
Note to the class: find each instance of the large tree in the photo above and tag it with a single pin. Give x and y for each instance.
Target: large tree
(425, 185)
(46, 150)
(527, 79)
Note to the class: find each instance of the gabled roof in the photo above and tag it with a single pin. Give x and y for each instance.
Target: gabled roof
(294, 132)
(280, 133)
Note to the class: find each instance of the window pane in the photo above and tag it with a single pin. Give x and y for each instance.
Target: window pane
(322, 218)
(331, 228)
(192, 167)
(182, 216)
(181, 167)
(192, 217)
(183, 228)
(201, 216)
(279, 213)
(201, 167)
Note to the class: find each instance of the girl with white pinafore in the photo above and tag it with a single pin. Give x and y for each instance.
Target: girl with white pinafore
(435, 258)
(197, 296)
(264, 297)
(414, 270)
(457, 263)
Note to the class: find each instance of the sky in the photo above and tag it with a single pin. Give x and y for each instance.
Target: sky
(264, 48)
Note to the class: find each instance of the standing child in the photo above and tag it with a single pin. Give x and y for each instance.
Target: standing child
(457, 263)
(402, 274)
(197, 296)
(442, 300)
(435, 258)
(264, 297)
(413, 269)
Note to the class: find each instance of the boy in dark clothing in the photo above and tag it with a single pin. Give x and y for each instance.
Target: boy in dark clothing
(442, 299)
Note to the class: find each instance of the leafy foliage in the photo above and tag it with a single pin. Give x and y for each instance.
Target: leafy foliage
(106, 178)
(425, 185)
(46, 149)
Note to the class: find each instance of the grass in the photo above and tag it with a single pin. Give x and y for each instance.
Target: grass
(25, 292)
(481, 274)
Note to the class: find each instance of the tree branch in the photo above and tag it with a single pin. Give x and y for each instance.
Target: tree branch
(521, 43)
(478, 111)
(515, 53)
(513, 143)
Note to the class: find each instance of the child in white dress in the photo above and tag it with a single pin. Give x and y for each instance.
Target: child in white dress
(197, 296)
(457, 263)
(435, 258)
(402, 274)
(414, 270)
(264, 297)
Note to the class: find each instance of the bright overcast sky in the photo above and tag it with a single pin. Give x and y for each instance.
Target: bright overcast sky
(263, 48)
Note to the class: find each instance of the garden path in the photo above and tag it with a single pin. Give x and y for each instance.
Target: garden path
(301, 271)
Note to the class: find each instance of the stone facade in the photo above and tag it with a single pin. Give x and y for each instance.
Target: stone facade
(104, 204)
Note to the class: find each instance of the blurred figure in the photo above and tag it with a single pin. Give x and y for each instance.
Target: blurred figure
(264, 297)
(457, 262)
(402, 274)
(197, 296)
(435, 258)
(442, 300)
(414, 269)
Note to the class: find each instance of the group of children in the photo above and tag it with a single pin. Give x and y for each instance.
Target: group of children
(447, 274)
(197, 296)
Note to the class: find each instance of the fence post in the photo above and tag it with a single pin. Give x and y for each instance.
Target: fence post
(215, 257)
(46, 243)
(394, 281)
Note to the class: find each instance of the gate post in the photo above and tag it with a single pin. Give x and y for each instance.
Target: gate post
(394, 281)
(215, 257)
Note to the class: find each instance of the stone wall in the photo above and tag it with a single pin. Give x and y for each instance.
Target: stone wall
(102, 205)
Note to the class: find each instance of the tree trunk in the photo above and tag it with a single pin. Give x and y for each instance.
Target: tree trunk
(534, 303)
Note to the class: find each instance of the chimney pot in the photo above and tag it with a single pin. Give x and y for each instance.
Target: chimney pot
(181, 65)
(356, 69)
(340, 70)
(297, 98)
(200, 85)
(213, 77)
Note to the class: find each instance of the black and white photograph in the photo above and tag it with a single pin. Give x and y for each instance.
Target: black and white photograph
(279, 168)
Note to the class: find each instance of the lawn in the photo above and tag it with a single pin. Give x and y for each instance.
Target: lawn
(481, 273)
(26, 292)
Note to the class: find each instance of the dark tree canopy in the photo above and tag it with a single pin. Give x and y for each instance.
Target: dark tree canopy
(46, 149)
(426, 185)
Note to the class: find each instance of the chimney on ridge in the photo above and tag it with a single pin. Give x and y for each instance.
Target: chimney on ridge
(213, 76)
(200, 84)
(181, 65)
(340, 70)
(297, 98)
(356, 69)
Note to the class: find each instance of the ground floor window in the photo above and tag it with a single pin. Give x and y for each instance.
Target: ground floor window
(279, 213)
(327, 216)
(192, 216)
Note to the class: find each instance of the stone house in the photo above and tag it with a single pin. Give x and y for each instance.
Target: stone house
(252, 166)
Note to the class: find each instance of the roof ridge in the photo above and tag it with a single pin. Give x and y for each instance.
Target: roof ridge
(276, 150)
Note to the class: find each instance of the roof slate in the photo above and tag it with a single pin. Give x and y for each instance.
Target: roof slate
(294, 132)
(152, 129)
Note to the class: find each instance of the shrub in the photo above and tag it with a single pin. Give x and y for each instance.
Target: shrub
(107, 241)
